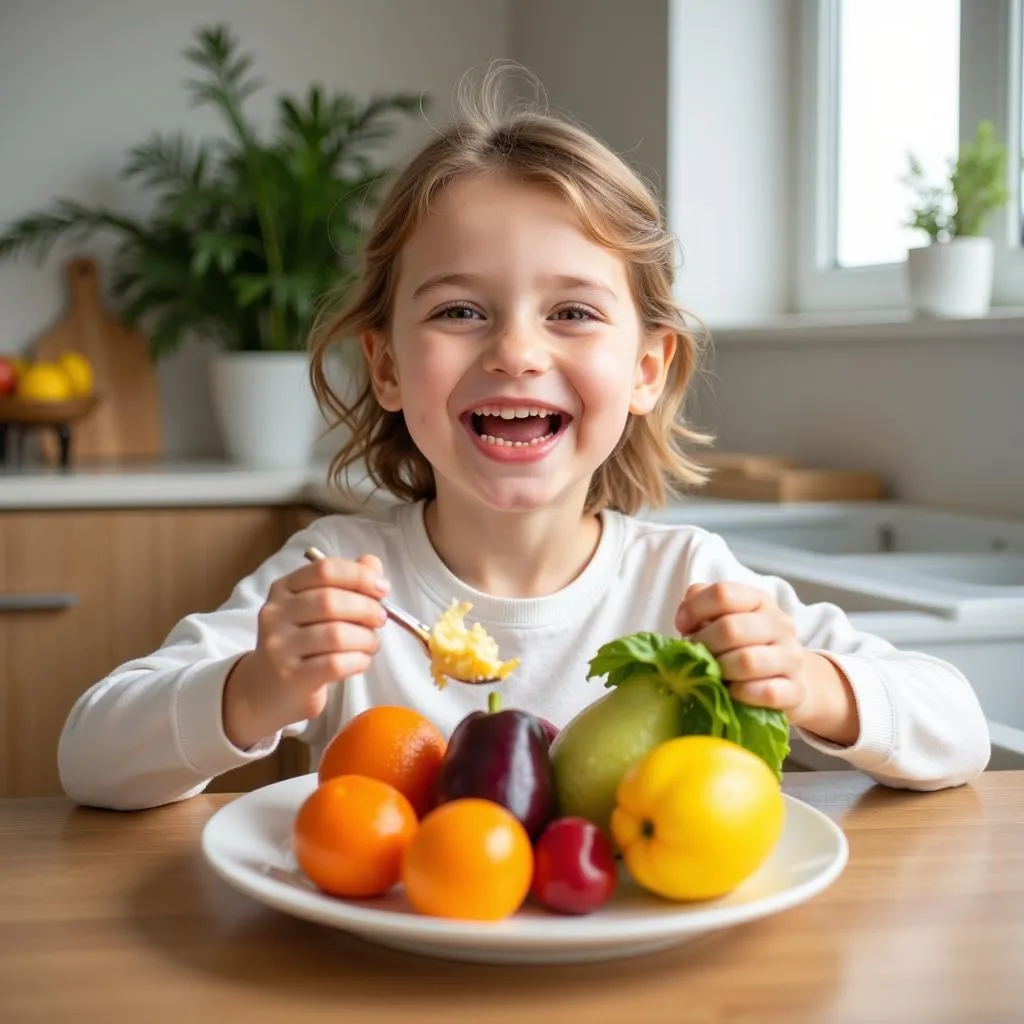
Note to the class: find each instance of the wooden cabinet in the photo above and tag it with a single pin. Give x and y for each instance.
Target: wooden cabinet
(83, 591)
(299, 518)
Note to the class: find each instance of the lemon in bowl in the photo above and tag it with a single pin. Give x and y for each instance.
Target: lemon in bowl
(80, 372)
(45, 382)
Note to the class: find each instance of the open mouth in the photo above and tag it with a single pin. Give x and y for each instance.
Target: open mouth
(517, 428)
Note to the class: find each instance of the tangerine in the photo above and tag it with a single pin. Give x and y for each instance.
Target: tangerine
(349, 836)
(470, 859)
(396, 745)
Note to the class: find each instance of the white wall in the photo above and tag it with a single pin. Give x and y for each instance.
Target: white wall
(941, 419)
(605, 62)
(81, 82)
(731, 118)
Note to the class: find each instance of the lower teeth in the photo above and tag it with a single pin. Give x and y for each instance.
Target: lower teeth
(490, 439)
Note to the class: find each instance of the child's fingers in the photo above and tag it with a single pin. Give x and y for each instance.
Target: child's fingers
(711, 602)
(333, 638)
(764, 661)
(745, 629)
(373, 563)
(322, 669)
(332, 604)
(335, 572)
(779, 693)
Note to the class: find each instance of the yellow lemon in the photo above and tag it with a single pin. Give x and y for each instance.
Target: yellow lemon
(79, 369)
(696, 816)
(45, 382)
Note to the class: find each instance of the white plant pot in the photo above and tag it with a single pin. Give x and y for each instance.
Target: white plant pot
(265, 407)
(949, 280)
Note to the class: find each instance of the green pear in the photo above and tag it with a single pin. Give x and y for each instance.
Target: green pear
(594, 750)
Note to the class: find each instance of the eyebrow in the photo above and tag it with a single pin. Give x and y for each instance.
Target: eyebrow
(560, 280)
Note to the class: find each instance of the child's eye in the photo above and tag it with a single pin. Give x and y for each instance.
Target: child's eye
(575, 314)
(456, 312)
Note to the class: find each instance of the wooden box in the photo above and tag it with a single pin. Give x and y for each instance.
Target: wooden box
(771, 479)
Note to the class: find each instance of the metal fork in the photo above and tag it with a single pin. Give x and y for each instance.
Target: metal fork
(412, 625)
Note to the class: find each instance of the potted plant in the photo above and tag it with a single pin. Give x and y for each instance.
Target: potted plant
(247, 234)
(952, 275)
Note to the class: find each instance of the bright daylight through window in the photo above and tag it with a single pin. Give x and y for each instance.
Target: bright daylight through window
(898, 89)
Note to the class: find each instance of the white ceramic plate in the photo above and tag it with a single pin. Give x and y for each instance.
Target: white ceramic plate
(248, 843)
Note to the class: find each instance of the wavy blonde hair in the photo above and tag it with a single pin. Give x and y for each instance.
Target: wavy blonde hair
(614, 207)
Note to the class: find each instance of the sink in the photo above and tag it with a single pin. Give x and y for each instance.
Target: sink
(982, 569)
(881, 556)
(878, 531)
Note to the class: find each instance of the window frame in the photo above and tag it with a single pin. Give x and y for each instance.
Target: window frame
(989, 87)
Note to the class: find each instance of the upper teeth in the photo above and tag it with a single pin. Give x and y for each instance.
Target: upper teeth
(511, 414)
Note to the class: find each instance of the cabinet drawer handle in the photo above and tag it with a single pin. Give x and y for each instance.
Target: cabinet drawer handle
(28, 602)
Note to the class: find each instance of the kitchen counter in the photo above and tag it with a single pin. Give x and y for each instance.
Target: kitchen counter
(198, 483)
(115, 916)
(179, 484)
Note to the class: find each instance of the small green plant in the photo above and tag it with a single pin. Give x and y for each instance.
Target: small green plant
(246, 234)
(975, 187)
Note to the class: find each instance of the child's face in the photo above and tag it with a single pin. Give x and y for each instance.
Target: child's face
(503, 302)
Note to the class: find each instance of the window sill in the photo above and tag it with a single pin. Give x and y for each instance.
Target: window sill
(879, 326)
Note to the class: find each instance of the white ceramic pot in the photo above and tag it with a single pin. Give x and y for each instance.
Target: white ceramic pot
(265, 407)
(952, 279)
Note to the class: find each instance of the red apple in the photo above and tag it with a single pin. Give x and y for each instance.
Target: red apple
(8, 375)
(574, 867)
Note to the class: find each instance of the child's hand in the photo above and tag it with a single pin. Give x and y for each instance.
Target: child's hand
(763, 661)
(318, 626)
(753, 640)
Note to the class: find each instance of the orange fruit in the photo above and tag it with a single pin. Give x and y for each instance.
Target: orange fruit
(470, 859)
(394, 744)
(349, 836)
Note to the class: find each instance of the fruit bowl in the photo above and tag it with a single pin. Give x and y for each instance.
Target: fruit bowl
(248, 844)
(24, 412)
(18, 416)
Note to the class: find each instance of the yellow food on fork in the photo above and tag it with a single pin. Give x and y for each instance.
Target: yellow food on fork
(464, 652)
(466, 655)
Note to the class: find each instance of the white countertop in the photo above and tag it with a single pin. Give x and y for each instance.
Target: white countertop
(220, 483)
(178, 484)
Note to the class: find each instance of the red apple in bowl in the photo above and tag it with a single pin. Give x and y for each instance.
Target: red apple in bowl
(8, 375)
(574, 867)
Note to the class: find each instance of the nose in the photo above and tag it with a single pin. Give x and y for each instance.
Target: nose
(516, 348)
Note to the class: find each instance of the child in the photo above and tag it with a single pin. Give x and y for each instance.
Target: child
(527, 365)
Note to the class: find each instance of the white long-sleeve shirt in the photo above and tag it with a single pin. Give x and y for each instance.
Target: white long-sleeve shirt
(152, 731)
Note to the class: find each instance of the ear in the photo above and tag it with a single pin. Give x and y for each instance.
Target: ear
(383, 372)
(652, 371)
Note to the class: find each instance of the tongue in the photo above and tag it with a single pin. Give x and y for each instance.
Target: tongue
(529, 428)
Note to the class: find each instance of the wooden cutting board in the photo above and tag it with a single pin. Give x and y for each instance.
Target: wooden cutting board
(126, 422)
(785, 485)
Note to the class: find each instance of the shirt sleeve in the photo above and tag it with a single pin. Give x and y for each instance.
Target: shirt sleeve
(921, 724)
(151, 732)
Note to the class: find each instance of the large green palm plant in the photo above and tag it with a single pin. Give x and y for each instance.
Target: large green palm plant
(246, 234)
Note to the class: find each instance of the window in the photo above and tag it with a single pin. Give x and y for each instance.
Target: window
(898, 79)
(881, 79)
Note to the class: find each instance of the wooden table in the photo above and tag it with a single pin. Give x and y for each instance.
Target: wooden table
(115, 917)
